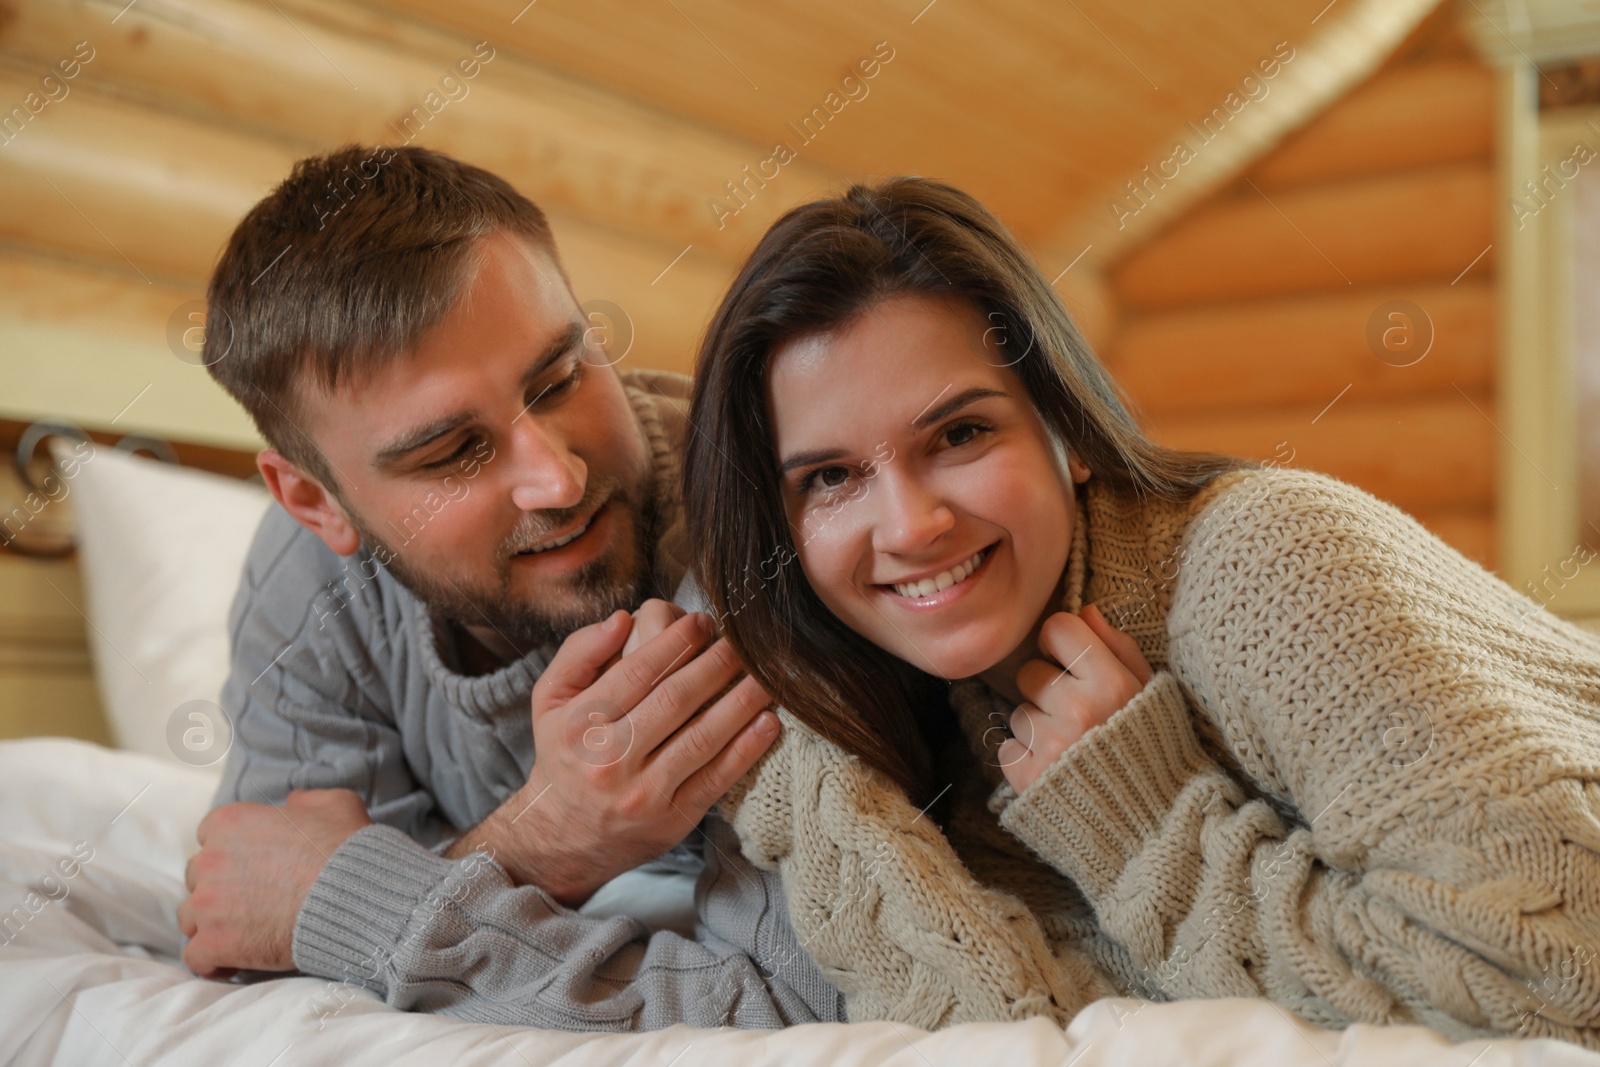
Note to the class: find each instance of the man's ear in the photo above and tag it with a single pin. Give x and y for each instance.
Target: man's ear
(305, 498)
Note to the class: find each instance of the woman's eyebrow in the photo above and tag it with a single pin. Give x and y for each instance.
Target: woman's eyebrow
(955, 404)
(805, 459)
(927, 418)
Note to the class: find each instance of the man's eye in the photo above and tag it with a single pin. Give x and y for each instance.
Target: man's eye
(452, 457)
(570, 382)
(557, 389)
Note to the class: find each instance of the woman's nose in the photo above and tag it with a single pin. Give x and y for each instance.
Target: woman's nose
(546, 475)
(910, 515)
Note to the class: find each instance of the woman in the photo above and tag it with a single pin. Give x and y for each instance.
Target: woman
(1320, 757)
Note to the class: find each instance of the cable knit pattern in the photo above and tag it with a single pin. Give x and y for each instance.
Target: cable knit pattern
(1364, 782)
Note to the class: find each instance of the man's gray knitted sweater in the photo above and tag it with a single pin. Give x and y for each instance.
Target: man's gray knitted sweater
(340, 679)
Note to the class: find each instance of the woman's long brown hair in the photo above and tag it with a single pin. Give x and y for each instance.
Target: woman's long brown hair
(819, 267)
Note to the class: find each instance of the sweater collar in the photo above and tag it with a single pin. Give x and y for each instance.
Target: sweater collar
(657, 402)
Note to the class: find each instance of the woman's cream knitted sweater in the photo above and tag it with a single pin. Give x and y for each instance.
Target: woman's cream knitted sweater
(1364, 783)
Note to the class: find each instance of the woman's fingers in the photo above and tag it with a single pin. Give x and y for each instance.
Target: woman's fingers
(1017, 763)
(1020, 761)
(1061, 714)
(1092, 671)
(1070, 641)
(1024, 727)
(1125, 648)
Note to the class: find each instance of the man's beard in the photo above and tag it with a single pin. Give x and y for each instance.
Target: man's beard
(593, 592)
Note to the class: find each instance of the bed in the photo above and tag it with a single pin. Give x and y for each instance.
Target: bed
(94, 839)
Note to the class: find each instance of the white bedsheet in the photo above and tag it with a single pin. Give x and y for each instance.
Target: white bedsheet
(93, 977)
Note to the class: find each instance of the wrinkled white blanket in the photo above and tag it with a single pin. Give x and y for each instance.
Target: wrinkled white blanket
(92, 847)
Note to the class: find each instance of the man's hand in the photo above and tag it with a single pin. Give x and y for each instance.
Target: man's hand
(255, 866)
(632, 747)
(1093, 670)
(652, 618)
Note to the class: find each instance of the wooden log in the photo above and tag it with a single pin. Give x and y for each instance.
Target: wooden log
(1425, 453)
(88, 296)
(1409, 116)
(1414, 226)
(1303, 350)
(345, 74)
(156, 195)
(1472, 533)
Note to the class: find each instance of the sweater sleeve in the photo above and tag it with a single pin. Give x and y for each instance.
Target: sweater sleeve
(1367, 788)
(456, 937)
(308, 705)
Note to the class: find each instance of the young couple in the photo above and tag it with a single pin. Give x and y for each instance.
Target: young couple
(1064, 714)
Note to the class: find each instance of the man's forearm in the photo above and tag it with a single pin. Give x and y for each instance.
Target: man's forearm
(513, 835)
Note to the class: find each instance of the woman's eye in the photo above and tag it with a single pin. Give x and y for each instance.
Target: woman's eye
(825, 478)
(963, 433)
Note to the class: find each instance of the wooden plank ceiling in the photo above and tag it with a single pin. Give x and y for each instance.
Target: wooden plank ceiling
(1029, 104)
(627, 121)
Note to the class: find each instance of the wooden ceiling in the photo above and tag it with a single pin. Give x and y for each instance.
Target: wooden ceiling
(627, 119)
(1030, 104)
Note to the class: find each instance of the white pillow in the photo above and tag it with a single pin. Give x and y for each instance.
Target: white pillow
(162, 550)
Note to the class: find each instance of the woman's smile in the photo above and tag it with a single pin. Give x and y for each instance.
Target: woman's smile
(940, 586)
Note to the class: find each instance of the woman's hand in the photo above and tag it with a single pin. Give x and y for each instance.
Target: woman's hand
(1092, 671)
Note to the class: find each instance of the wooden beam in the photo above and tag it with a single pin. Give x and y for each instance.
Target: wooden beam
(1413, 226)
(155, 195)
(1305, 350)
(1421, 453)
(337, 73)
(1413, 116)
(1345, 47)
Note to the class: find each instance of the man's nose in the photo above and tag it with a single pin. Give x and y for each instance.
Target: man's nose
(909, 515)
(547, 476)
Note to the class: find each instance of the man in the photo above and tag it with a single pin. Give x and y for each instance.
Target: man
(471, 502)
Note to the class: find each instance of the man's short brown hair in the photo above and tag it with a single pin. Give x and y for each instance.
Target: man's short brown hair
(347, 264)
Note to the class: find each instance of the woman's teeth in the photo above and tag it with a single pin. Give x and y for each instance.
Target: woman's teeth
(556, 542)
(942, 580)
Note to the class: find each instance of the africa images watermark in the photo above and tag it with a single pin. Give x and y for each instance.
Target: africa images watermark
(52, 89)
(52, 890)
(453, 88)
(53, 488)
(359, 571)
(1542, 192)
(452, 889)
(1251, 89)
(742, 190)
(825, 913)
